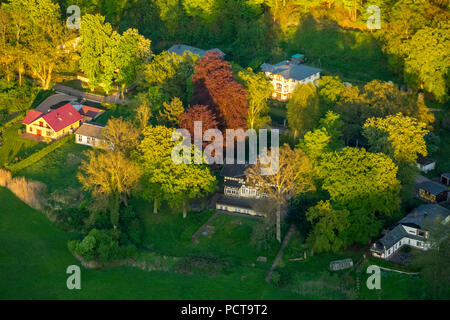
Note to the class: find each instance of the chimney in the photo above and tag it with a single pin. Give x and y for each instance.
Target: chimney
(287, 62)
(415, 214)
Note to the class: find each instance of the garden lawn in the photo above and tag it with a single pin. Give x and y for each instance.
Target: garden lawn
(59, 168)
(34, 258)
(15, 146)
(168, 233)
(314, 277)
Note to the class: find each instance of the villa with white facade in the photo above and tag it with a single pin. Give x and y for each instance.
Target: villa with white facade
(287, 74)
(410, 231)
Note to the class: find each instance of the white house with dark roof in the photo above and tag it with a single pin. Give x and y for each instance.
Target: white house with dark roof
(239, 196)
(410, 231)
(287, 74)
(89, 134)
(180, 49)
(425, 164)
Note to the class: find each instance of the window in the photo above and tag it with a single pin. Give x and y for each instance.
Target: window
(31, 129)
(41, 124)
(419, 244)
(49, 133)
(80, 138)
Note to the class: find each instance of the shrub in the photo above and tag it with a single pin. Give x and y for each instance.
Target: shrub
(275, 278)
(132, 226)
(101, 245)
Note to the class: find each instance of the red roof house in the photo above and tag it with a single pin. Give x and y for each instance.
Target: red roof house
(54, 124)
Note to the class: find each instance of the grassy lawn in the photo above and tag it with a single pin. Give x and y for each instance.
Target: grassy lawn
(168, 233)
(15, 146)
(313, 275)
(35, 257)
(58, 169)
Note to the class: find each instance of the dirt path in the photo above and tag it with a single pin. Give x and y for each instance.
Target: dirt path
(280, 252)
(203, 227)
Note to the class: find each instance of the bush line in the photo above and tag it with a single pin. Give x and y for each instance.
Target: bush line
(39, 155)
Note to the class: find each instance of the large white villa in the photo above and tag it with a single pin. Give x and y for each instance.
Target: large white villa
(287, 74)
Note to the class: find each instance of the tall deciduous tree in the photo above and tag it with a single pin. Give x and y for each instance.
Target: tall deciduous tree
(291, 178)
(169, 72)
(120, 135)
(171, 112)
(259, 89)
(435, 262)
(303, 109)
(37, 36)
(198, 113)
(110, 176)
(328, 226)
(399, 136)
(166, 179)
(107, 56)
(365, 184)
(426, 65)
(215, 87)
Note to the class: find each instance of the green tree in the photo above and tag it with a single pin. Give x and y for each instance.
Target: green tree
(426, 65)
(330, 91)
(434, 263)
(120, 135)
(259, 90)
(169, 72)
(171, 112)
(398, 136)
(165, 179)
(111, 177)
(303, 109)
(328, 226)
(107, 56)
(292, 177)
(363, 183)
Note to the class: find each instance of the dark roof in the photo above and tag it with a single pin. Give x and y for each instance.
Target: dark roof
(393, 236)
(425, 211)
(432, 187)
(90, 130)
(235, 202)
(181, 48)
(290, 70)
(234, 170)
(424, 160)
(232, 183)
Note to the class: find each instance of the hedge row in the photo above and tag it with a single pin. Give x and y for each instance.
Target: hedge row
(35, 157)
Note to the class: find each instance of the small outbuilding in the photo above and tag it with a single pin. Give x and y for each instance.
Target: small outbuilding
(425, 164)
(432, 192)
(89, 134)
(445, 178)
